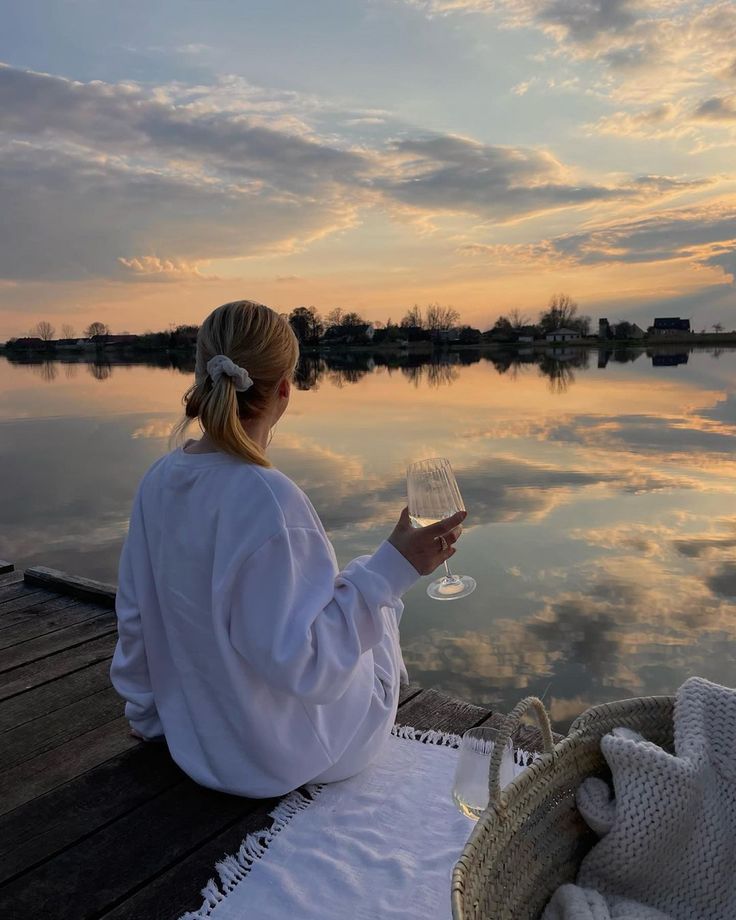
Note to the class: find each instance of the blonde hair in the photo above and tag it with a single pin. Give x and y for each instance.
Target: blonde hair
(256, 338)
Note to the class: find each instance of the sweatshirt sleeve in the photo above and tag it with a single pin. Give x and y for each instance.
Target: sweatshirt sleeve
(129, 669)
(302, 628)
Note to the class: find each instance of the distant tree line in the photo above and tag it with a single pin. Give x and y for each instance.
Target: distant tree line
(561, 313)
(434, 323)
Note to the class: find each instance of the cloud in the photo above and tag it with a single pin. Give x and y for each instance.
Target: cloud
(151, 183)
(521, 89)
(641, 539)
(718, 108)
(705, 235)
(125, 118)
(723, 580)
(695, 547)
(454, 174)
(87, 213)
(164, 269)
(644, 53)
(618, 626)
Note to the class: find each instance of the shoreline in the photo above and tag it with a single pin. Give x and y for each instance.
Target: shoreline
(413, 348)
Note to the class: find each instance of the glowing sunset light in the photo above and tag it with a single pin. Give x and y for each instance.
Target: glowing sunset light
(315, 156)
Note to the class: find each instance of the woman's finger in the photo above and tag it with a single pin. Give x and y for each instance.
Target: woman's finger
(404, 519)
(440, 528)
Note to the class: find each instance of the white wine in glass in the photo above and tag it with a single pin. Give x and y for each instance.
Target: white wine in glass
(433, 495)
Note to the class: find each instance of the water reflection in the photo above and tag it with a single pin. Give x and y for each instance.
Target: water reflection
(557, 365)
(599, 529)
(100, 370)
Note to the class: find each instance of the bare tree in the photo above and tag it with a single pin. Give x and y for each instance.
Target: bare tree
(413, 317)
(68, 331)
(334, 317)
(43, 330)
(440, 318)
(518, 319)
(353, 319)
(562, 311)
(96, 328)
(717, 327)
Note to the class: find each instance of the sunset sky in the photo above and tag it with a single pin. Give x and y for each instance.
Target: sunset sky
(161, 158)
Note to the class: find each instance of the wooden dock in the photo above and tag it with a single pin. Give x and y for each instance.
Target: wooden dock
(93, 823)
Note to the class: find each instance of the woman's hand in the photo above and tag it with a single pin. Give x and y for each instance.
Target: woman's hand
(427, 547)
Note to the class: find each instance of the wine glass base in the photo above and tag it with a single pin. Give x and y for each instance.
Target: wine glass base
(451, 589)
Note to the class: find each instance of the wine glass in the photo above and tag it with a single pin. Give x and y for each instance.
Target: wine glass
(434, 495)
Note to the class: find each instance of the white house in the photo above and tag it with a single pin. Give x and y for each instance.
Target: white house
(562, 335)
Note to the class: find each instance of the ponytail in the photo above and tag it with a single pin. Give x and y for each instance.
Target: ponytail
(261, 341)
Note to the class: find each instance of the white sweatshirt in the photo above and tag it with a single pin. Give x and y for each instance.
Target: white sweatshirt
(239, 640)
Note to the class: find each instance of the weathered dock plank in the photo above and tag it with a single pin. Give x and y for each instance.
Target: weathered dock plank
(49, 731)
(33, 649)
(10, 579)
(408, 692)
(67, 761)
(55, 694)
(15, 589)
(117, 860)
(177, 889)
(434, 710)
(55, 666)
(48, 824)
(6, 567)
(84, 588)
(43, 617)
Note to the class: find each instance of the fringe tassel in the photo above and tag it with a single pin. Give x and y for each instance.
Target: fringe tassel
(233, 869)
(521, 758)
(445, 739)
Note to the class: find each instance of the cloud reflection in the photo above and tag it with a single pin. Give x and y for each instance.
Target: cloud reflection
(597, 533)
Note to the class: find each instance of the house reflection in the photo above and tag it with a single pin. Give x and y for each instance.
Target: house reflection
(667, 360)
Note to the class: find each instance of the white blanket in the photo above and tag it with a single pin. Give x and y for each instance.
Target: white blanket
(379, 845)
(668, 838)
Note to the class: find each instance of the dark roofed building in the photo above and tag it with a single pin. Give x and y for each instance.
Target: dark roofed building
(358, 334)
(670, 325)
(28, 341)
(110, 339)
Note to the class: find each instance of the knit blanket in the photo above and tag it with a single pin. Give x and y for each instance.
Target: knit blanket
(668, 835)
(377, 846)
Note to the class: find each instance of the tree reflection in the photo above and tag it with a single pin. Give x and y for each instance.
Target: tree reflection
(559, 368)
(100, 370)
(46, 370)
(308, 372)
(342, 369)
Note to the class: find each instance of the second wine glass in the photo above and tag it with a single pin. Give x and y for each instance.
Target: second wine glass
(433, 495)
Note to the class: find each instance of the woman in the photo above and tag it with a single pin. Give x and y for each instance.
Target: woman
(239, 640)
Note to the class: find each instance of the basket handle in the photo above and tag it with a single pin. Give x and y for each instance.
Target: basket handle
(511, 723)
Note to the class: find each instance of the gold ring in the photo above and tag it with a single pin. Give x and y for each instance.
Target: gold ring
(443, 543)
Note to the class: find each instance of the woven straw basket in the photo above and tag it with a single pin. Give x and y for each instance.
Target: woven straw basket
(531, 839)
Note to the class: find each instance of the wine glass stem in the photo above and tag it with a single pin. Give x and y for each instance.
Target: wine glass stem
(447, 569)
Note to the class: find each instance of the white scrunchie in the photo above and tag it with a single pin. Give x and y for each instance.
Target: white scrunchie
(221, 364)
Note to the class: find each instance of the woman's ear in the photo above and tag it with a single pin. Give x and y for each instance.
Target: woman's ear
(284, 390)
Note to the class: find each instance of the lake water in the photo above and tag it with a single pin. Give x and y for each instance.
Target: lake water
(600, 490)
